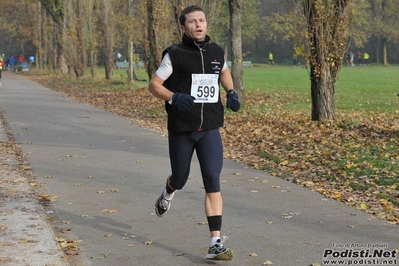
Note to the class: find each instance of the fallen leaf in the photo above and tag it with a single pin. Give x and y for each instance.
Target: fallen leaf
(47, 197)
(65, 230)
(101, 257)
(72, 252)
(268, 262)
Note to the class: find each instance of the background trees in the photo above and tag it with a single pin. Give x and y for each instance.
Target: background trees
(46, 28)
(68, 36)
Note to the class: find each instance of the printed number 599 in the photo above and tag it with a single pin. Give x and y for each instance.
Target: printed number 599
(205, 91)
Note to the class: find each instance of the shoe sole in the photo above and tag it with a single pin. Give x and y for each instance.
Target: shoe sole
(227, 255)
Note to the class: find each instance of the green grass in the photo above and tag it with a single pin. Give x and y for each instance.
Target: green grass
(364, 89)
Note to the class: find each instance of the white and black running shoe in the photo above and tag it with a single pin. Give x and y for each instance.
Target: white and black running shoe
(219, 251)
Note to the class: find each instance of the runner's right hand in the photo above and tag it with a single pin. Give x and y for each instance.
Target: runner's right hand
(182, 101)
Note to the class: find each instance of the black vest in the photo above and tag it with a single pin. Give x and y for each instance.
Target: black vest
(188, 58)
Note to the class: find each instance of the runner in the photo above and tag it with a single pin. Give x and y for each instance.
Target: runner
(1, 67)
(188, 80)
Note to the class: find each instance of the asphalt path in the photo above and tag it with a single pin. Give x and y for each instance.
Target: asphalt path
(108, 172)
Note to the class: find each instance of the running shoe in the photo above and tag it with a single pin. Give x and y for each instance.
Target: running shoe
(219, 251)
(162, 205)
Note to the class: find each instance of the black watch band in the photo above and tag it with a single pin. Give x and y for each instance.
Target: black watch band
(232, 91)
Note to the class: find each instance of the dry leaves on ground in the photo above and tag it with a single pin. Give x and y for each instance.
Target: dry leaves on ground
(354, 159)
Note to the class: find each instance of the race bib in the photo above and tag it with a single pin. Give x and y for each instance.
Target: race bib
(205, 88)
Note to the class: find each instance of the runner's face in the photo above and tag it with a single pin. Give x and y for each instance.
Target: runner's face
(195, 25)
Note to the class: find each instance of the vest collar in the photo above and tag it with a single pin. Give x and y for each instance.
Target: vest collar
(196, 44)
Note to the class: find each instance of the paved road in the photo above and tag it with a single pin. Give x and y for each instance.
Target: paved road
(108, 172)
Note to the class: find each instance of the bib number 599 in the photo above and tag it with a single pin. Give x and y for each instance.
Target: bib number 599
(205, 91)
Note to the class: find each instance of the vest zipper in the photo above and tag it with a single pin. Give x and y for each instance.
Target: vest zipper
(202, 104)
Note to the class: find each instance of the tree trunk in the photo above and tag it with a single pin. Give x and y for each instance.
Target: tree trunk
(108, 40)
(327, 26)
(377, 53)
(131, 61)
(81, 54)
(384, 53)
(322, 91)
(236, 47)
(153, 58)
(92, 42)
(130, 44)
(39, 30)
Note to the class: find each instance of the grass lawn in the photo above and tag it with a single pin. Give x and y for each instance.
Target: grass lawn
(362, 89)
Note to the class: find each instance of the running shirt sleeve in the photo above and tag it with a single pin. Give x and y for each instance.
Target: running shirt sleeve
(165, 69)
(225, 64)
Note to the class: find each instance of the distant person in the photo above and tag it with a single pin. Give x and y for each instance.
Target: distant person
(352, 59)
(21, 59)
(360, 58)
(31, 59)
(366, 58)
(348, 59)
(115, 58)
(1, 67)
(11, 62)
(271, 59)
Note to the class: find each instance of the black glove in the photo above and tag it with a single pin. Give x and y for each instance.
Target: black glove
(232, 100)
(183, 102)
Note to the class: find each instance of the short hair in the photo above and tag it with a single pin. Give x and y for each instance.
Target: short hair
(188, 10)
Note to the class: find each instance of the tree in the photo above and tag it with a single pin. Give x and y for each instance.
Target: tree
(108, 38)
(360, 29)
(236, 47)
(327, 24)
(385, 23)
(76, 35)
(92, 43)
(55, 9)
(153, 54)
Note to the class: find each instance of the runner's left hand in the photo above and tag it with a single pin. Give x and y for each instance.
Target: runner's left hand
(232, 101)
